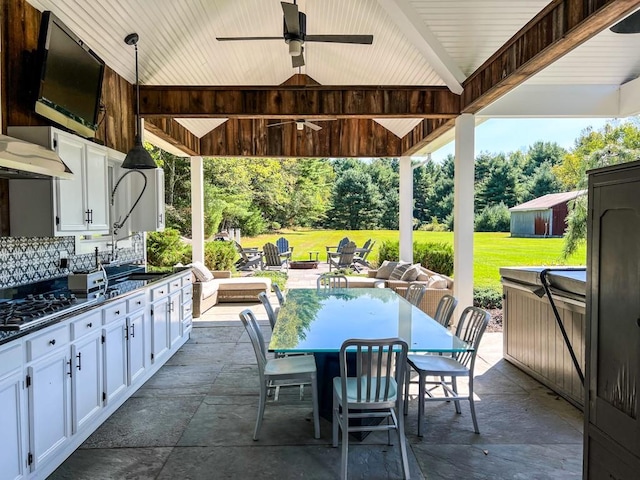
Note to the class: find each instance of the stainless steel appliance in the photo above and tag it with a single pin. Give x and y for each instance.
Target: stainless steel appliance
(33, 310)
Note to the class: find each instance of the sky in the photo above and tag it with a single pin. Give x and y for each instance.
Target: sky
(510, 134)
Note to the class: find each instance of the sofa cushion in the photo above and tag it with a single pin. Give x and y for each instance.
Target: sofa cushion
(399, 271)
(422, 276)
(411, 274)
(244, 283)
(436, 281)
(201, 272)
(209, 288)
(362, 282)
(385, 270)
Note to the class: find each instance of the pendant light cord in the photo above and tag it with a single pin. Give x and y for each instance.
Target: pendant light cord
(138, 122)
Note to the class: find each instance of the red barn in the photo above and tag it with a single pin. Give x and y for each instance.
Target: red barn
(544, 216)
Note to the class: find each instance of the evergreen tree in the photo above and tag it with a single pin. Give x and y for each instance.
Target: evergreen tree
(356, 202)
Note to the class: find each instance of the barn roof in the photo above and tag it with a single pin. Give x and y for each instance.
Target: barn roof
(547, 201)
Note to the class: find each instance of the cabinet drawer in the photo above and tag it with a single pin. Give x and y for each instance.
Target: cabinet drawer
(10, 358)
(175, 285)
(136, 302)
(86, 324)
(50, 340)
(187, 293)
(160, 291)
(114, 311)
(187, 310)
(186, 280)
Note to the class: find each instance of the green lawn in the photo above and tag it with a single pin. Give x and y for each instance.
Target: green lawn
(491, 250)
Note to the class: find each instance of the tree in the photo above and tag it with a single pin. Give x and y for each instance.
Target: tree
(542, 182)
(356, 202)
(500, 185)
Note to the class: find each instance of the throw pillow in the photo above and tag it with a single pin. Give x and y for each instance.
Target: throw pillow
(422, 276)
(386, 269)
(412, 273)
(436, 281)
(399, 271)
(202, 273)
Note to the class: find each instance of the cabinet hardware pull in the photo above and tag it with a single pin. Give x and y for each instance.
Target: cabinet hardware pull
(117, 312)
(89, 325)
(79, 360)
(133, 330)
(70, 370)
(138, 302)
(52, 342)
(126, 332)
(638, 322)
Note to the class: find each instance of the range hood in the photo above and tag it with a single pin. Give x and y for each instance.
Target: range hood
(20, 159)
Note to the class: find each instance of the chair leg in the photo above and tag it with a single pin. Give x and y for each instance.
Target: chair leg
(454, 387)
(421, 394)
(472, 406)
(407, 386)
(345, 445)
(403, 445)
(316, 408)
(263, 401)
(336, 421)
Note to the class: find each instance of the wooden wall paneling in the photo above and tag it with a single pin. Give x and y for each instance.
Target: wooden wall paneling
(174, 133)
(4, 207)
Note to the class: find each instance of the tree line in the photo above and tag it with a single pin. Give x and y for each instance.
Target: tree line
(259, 195)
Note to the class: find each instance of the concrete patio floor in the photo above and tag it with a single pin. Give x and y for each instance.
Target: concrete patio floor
(194, 420)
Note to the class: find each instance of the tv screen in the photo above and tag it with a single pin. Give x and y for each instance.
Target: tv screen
(70, 80)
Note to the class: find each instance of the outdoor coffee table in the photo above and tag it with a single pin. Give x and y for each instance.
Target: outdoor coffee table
(311, 255)
(319, 321)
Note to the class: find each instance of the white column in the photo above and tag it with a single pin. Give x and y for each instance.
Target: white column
(405, 222)
(463, 212)
(197, 209)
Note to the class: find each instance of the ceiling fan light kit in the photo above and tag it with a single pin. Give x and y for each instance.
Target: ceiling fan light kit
(295, 34)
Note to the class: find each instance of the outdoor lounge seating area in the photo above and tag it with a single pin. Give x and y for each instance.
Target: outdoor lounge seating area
(208, 395)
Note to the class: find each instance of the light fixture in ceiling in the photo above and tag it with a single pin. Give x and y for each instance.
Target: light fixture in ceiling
(137, 158)
(295, 47)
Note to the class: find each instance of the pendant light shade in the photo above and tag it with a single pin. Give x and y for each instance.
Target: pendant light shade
(138, 158)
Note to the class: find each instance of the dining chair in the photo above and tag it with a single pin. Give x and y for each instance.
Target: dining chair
(271, 314)
(279, 294)
(329, 281)
(471, 327)
(302, 367)
(415, 292)
(444, 311)
(370, 387)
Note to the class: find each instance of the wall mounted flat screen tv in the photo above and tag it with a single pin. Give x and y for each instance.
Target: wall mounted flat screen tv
(70, 81)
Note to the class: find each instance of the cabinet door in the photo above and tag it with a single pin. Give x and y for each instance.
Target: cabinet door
(175, 317)
(86, 379)
(615, 313)
(71, 211)
(115, 359)
(49, 406)
(96, 183)
(148, 216)
(136, 345)
(159, 328)
(13, 459)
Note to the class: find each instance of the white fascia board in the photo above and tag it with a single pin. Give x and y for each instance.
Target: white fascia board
(444, 139)
(417, 32)
(163, 144)
(630, 98)
(560, 101)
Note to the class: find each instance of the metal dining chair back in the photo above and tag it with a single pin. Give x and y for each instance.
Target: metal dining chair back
(274, 371)
(271, 314)
(370, 386)
(279, 294)
(415, 292)
(329, 281)
(444, 312)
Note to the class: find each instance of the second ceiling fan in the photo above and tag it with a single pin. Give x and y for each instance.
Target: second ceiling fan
(300, 124)
(295, 34)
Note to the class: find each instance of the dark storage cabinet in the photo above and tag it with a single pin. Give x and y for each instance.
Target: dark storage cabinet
(612, 428)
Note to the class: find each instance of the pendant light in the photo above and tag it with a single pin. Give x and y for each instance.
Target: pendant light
(138, 158)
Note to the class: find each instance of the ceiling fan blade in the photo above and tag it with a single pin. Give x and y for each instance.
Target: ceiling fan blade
(313, 126)
(291, 18)
(360, 39)
(280, 123)
(299, 60)
(230, 39)
(631, 24)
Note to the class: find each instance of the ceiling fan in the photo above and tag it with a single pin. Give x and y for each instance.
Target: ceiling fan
(295, 34)
(631, 24)
(300, 124)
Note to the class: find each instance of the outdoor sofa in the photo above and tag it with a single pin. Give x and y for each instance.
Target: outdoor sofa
(438, 285)
(212, 287)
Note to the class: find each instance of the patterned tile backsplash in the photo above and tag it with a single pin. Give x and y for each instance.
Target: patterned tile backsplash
(26, 260)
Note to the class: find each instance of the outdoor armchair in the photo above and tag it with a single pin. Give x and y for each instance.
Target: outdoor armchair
(361, 255)
(345, 258)
(273, 259)
(336, 249)
(283, 247)
(250, 258)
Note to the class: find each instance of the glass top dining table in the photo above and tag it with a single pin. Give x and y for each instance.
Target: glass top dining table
(317, 320)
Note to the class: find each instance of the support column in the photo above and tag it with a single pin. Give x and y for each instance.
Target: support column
(463, 216)
(405, 223)
(197, 209)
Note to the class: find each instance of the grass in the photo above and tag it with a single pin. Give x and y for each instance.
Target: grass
(491, 250)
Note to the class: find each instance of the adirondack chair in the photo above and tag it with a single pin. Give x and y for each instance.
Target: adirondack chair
(284, 248)
(345, 259)
(335, 250)
(272, 258)
(250, 258)
(362, 254)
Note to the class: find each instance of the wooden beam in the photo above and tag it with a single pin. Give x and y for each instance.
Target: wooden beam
(298, 101)
(337, 139)
(425, 133)
(172, 132)
(556, 30)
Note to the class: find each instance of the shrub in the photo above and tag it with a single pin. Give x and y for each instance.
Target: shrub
(487, 297)
(219, 255)
(179, 219)
(389, 250)
(279, 278)
(435, 256)
(433, 226)
(165, 249)
(494, 218)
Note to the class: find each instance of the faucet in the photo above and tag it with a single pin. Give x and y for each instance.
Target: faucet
(114, 244)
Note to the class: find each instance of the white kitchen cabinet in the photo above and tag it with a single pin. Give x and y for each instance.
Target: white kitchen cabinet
(115, 359)
(159, 328)
(137, 353)
(86, 379)
(13, 456)
(175, 317)
(55, 207)
(148, 216)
